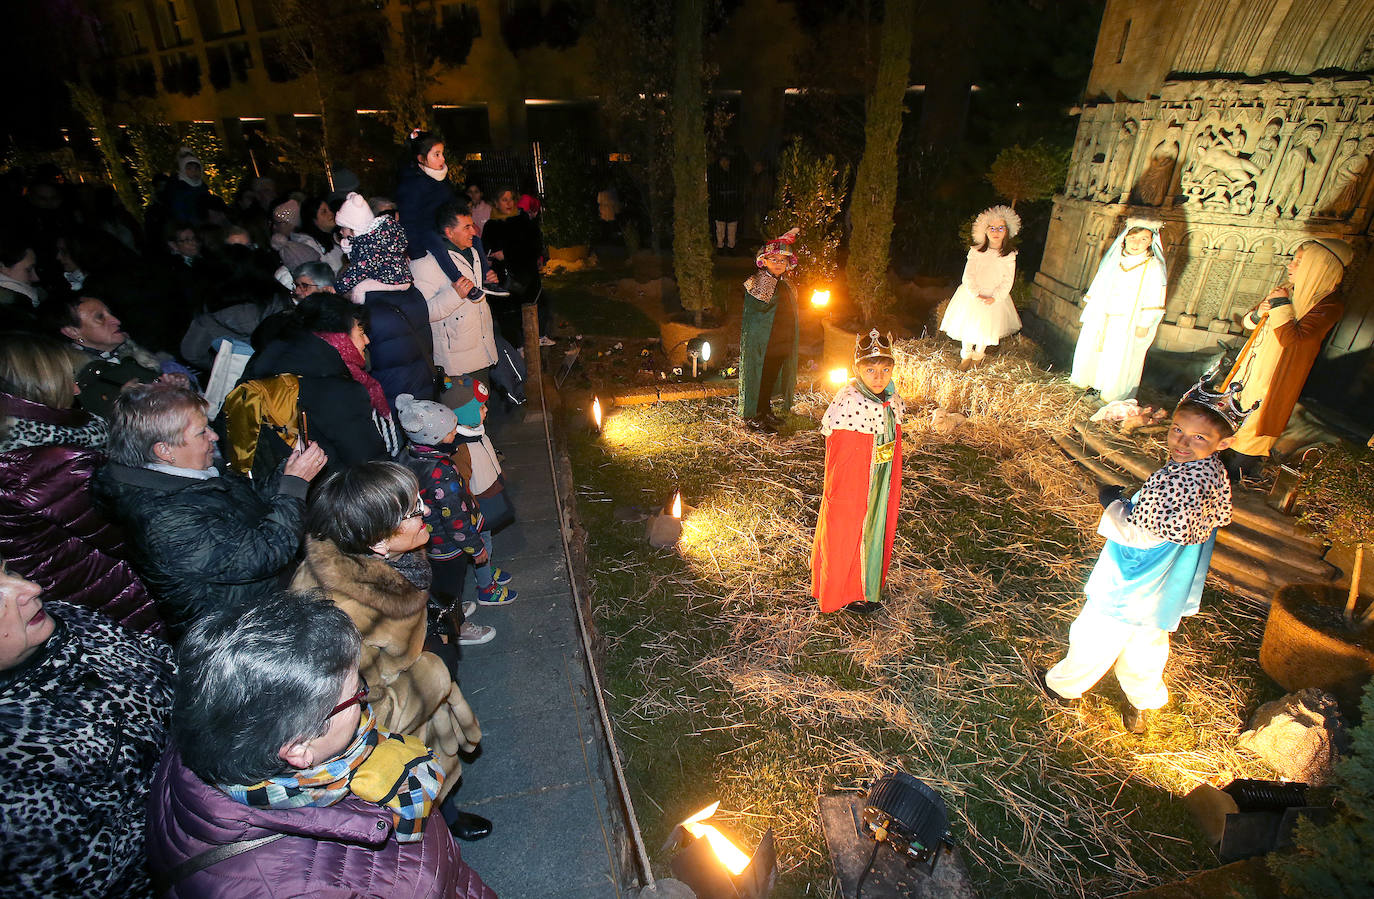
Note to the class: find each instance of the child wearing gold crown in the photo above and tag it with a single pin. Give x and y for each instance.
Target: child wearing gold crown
(863, 483)
(1152, 568)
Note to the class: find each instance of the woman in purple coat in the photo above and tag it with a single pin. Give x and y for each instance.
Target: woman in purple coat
(280, 783)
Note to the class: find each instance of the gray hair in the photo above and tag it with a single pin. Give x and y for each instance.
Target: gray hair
(357, 507)
(249, 683)
(318, 272)
(146, 415)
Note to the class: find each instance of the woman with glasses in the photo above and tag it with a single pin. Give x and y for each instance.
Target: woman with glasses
(281, 780)
(981, 312)
(366, 549)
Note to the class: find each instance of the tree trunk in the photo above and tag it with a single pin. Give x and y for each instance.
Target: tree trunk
(875, 186)
(691, 248)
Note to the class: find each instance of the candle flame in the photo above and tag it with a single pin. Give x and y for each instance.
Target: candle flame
(676, 510)
(730, 855)
(596, 412)
(838, 376)
(820, 297)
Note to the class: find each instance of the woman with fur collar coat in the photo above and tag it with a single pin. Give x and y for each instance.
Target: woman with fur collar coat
(366, 551)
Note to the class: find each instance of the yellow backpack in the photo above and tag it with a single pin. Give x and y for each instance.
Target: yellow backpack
(261, 424)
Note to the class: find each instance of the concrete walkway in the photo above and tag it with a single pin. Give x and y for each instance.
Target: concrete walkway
(543, 776)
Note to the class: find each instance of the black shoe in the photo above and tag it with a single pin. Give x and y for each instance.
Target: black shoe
(759, 423)
(1136, 721)
(1053, 697)
(467, 826)
(863, 607)
(771, 419)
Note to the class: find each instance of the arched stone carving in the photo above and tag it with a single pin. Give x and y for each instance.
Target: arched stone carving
(1117, 172)
(1155, 182)
(1221, 178)
(1299, 161)
(1341, 194)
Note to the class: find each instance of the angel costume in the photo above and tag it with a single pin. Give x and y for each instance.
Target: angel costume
(1126, 294)
(1148, 578)
(987, 273)
(863, 483)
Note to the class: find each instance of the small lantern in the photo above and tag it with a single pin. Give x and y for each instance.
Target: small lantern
(698, 348)
(714, 867)
(838, 376)
(820, 298)
(665, 526)
(675, 507)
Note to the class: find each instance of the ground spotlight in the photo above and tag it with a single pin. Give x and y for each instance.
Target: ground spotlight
(698, 348)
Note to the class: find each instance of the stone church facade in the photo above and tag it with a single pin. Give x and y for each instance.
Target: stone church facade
(1247, 127)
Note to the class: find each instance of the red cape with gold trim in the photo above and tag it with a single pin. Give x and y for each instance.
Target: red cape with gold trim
(836, 563)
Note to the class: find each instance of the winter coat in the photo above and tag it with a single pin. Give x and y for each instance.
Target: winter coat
(412, 691)
(402, 348)
(237, 322)
(418, 198)
(455, 518)
(104, 376)
(343, 850)
(206, 545)
(50, 530)
(338, 408)
(464, 337)
(85, 720)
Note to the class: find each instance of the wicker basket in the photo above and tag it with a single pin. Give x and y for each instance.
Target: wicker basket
(1298, 655)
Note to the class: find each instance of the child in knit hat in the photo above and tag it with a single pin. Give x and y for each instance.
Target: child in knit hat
(454, 518)
(485, 479)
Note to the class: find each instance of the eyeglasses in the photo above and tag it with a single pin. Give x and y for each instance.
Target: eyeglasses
(416, 512)
(996, 229)
(302, 285)
(356, 699)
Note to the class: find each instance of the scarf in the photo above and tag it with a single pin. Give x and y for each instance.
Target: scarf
(414, 567)
(761, 285)
(436, 174)
(324, 785)
(879, 485)
(343, 344)
(1184, 502)
(34, 424)
(378, 254)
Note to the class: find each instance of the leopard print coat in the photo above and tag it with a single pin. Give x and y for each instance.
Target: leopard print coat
(82, 725)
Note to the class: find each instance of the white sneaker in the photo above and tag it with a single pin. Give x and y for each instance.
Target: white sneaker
(475, 634)
(468, 608)
(547, 341)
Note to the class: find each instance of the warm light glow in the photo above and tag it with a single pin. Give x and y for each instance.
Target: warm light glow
(838, 376)
(730, 855)
(676, 510)
(706, 351)
(596, 412)
(820, 297)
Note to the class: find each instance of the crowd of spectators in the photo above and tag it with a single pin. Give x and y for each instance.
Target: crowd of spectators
(244, 471)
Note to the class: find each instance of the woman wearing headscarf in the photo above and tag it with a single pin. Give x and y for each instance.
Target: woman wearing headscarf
(1121, 313)
(1289, 327)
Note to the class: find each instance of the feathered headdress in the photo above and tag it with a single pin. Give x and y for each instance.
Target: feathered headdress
(1225, 402)
(990, 215)
(779, 246)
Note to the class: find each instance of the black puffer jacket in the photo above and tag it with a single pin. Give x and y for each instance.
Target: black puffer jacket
(206, 545)
(402, 348)
(340, 413)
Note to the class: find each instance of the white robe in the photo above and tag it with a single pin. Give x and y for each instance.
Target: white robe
(1109, 355)
(967, 318)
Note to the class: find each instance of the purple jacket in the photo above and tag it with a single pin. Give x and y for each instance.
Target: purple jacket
(50, 532)
(345, 850)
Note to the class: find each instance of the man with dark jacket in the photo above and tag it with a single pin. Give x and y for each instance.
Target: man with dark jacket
(204, 540)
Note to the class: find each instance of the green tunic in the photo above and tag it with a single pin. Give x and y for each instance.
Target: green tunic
(756, 335)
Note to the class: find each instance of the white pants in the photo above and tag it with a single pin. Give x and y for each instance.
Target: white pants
(972, 351)
(725, 234)
(1096, 642)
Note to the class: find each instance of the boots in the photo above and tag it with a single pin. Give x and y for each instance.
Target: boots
(1136, 721)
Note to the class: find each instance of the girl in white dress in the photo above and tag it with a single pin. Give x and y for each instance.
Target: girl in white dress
(981, 312)
(1121, 313)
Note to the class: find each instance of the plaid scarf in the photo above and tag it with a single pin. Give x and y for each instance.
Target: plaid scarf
(343, 344)
(327, 784)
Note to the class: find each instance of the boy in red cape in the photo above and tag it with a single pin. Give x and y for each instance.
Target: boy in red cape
(863, 483)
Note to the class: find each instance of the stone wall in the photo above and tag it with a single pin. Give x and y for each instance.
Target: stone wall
(1241, 173)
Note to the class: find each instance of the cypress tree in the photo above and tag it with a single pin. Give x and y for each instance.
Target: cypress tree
(875, 186)
(691, 244)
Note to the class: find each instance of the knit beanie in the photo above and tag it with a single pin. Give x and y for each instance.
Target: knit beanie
(425, 422)
(355, 214)
(288, 213)
(470, 413)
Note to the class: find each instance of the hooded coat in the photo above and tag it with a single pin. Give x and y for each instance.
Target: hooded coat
(412, 691)
(50, 530)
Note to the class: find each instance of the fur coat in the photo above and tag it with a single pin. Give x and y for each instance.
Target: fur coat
(412, 692)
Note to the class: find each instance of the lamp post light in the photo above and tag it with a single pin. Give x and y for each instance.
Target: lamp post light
(698, 348)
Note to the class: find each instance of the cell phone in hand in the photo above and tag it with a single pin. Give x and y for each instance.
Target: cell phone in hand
(303, 426)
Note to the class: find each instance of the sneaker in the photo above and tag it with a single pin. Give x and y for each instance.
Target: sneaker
(547, 341)
(468, 608)
(500, 576)
(495, 595)
(475, 634)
